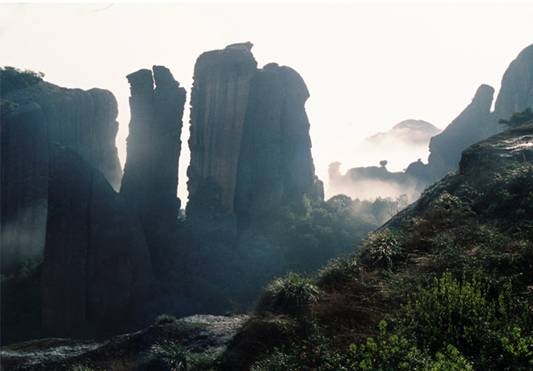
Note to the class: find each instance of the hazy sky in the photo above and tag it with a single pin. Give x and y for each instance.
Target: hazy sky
(367, 66)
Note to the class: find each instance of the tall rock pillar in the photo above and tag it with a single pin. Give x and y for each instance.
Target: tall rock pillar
(150, 176)
(219, 101)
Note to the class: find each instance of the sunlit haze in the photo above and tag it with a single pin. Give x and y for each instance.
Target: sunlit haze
(367, 67)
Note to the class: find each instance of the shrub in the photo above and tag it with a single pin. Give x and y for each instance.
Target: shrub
(81, 368)
(382, 247)
(173, 354)
(386, 352)
(519, 118)
(338, 272)
(291, 295)
(164, 319)
(486, 328)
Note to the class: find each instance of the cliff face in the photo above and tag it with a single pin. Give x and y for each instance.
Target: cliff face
(275, 163)
(477, 122)
(34, 115)
(96, 266)
(516, 93)
(24, 186)
(250, 144)
(150, 177)
(472, 125)
(219, 101)
(82, 120)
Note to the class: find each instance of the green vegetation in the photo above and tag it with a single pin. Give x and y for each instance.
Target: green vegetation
(445, 285)
(12, 79)
(164, 319)
(382, 247)
(519, 118)
(292, 295)
(297, 238)
(450, 325)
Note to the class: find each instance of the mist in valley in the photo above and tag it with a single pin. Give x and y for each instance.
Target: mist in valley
(266, 186)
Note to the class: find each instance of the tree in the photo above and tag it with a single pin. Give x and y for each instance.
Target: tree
(383, 163)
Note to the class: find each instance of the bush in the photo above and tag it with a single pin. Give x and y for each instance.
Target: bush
(386, 352)
(173, 354)
(450, 325)
(519, 118)
(338, 272)
(486, 328)
(164, 319)
(382, 247)
(290, 295)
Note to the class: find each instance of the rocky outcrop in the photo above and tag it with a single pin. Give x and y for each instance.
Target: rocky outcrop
(275, 163)
(477, 122)
(472, 125)
(516, 92)
(82, 120)
(96, 267)
(219, 101)
(372, 182)
(204, 336)
(250, 144)
(150, 177)
(34, 115)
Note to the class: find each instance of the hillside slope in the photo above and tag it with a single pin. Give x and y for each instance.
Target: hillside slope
(445, 283)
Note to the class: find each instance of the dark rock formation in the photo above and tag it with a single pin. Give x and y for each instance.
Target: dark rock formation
(96, 266)
(371, 182)
(476, 122)
(35, 114)
(471, 126)
(516, 92)
(275, 164)
(219, 101)
(151, 172)
(250, 144)
(206, 336)
(24, 186)
(83, 120)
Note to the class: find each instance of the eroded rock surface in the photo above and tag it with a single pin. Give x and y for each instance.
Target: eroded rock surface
(34, 115)
(201, 335)
(275, 164)
(516, 92)
(472, 125)
(250, 143)
(150, 179)
(96, 270)
(219, 101)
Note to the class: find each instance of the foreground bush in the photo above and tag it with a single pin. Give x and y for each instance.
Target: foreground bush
(290, 295)
(487, 328)
(450, 325)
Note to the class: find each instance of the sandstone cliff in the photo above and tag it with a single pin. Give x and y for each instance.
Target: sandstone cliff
(34, 115)
(472, 125)
(516, 93)
(250, 143)
(24, 187)
(219, 100)
(96, 267)
(275, 163)
(150, 177)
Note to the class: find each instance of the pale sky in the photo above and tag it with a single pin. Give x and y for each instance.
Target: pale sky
(367, 66)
